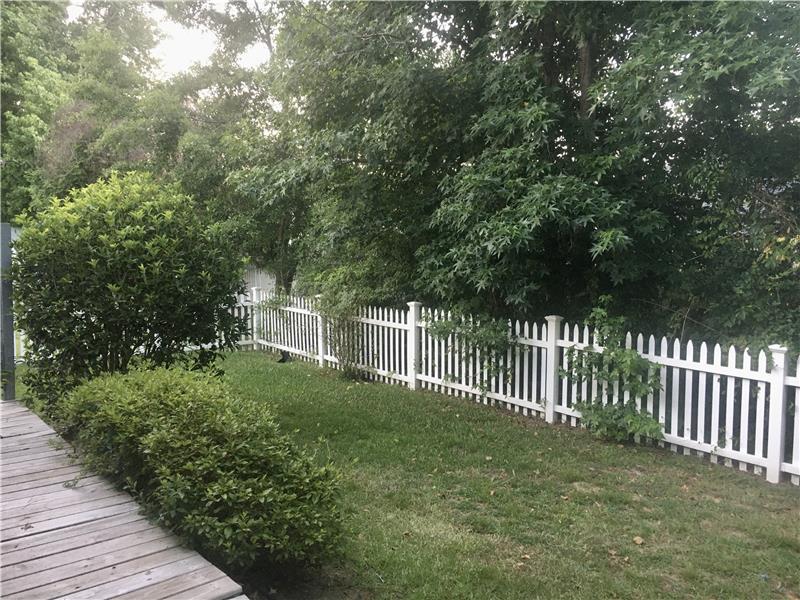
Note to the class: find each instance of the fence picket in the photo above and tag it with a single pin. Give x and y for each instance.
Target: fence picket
(595, 376)
(701, 395)
(398, 344)
(761, 399)
(651, 351)
(565, 364)
(715, 393)
(387, 343)
(640, 350)
(730, 390)
(744, 429)
(462, 359)
(688, 399)
(537, 372)
(796, 436)
(662, 395)
(471, 365)
(395, 343)
(517, 363)
(576, 337)
(437, 353)
(676, 388)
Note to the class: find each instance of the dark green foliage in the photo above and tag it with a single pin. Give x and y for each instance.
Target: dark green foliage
(518, 159)
(618, 422)
(616, 365)
(481, 336)
(340, 305)
(33, 86)
(212, 467)
(78, 101)
(510, 159)
(122, 268)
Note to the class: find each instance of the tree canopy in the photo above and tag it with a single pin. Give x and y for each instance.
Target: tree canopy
(511, 159)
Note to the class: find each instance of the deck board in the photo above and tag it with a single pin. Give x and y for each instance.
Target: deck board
(86, 539)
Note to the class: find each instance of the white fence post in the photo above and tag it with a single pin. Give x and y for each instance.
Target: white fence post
(255, 297)
(322, 336)
(551, 383)
(777, 413)
(412, 347)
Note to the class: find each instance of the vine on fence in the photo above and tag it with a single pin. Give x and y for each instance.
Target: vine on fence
(486, 340)
(275, 303)
(345, 333)
(614, 364)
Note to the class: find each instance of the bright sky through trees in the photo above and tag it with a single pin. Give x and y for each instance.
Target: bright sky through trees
(182, 47)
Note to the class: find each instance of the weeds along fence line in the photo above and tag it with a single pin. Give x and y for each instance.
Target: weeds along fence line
(736, 408)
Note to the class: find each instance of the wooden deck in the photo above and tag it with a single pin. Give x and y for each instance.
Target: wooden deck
(88, 541)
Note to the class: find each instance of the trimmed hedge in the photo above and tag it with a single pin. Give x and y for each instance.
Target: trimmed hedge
(123, 268)
(209, 466)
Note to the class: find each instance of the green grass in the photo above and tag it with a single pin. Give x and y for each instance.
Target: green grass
(443, 498)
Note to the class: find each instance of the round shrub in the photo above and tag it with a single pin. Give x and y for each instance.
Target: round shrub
(122, 267)
(213, 468)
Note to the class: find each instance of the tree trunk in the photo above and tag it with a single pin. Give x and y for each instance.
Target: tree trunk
(585, 69)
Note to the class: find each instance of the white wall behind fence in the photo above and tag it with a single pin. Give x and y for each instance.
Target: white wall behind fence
(734, 406)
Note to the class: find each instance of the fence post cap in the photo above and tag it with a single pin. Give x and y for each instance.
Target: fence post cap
(554, 318)
(414, 303)
(778, 349)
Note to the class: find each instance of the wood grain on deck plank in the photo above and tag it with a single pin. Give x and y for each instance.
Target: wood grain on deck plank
(68, 533)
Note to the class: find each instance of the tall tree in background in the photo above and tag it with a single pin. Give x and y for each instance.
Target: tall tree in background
(511, 159)
(35, 64)
(79, 100)
(90, 133)
(246, 154)
(523, 158)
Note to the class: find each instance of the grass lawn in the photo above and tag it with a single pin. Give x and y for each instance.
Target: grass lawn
(443, 498)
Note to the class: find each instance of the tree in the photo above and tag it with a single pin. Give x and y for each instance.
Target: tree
(517, 158)
(96, 130)
(35, 64)
(510, 159)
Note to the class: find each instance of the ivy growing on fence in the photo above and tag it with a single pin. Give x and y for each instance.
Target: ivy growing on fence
(486, 340)
(609, 361)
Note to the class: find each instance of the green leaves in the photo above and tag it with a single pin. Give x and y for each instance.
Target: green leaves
(102, 277)
(618, 422)
(212, 467)
(484, 155)
(607, 240)
(614, 364)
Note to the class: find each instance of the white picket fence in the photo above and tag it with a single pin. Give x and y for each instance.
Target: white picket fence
(741, 410)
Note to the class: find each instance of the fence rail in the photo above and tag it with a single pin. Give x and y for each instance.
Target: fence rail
(726, 404)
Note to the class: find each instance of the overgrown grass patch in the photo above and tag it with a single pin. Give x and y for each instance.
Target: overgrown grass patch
(447, 499)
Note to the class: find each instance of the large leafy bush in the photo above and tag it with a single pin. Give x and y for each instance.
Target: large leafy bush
(120, 268)
(213, 468)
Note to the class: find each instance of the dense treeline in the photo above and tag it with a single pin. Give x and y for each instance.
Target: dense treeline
(512, 159)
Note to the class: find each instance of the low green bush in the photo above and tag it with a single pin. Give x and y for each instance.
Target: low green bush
(618, 422)
(213, 468)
